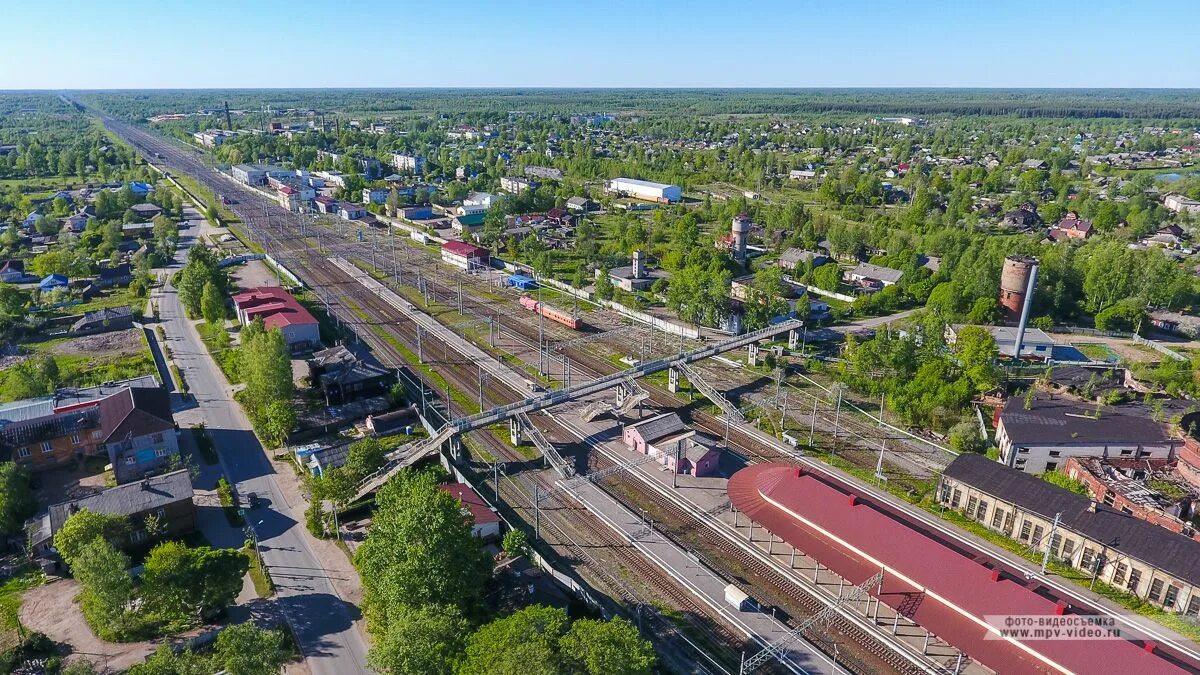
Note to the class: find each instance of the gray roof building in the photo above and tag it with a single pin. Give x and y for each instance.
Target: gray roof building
(1173, 553)
(145, 495)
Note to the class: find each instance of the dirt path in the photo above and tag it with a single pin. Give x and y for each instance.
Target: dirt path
(52, 609)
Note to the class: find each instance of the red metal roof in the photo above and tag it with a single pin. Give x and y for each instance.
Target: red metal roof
(483, 514)
(464, 249)
(276, 306)
(941, 585)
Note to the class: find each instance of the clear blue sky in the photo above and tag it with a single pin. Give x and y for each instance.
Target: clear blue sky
(608, 43)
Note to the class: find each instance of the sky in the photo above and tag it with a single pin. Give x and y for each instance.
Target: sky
(142, 44)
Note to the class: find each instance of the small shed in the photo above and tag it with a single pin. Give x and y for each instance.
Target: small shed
(522, 282)
(737, 599)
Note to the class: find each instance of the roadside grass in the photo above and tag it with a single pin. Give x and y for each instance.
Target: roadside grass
(259, 575)
(222, 352)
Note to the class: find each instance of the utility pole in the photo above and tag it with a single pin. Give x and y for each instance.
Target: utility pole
(537, 513)
(1050, 538)
(812, 428)
(836, 420)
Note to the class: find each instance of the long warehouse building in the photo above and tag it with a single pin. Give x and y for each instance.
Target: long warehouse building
(645, 190)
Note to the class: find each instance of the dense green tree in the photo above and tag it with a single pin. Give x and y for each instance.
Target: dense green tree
(164, 661)
(103, 574)
(85, 526)
(976, 352)
(212, 305)
(191, 584)
(266, 365)
(420, 550)
(16, 498)
(766, 298)
(523, 643)
(246, 649)
(425, 640)
(201, 269)
(607, 648)
(365, 456)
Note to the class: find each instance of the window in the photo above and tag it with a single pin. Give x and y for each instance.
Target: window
(1085, 560)
(137, 536)
(1050, 466)
(1119, 574)
(97, 435)
(158, 438)
(76, 439)
(47, 447)
(997, 519)
(1055, 542)
(1068, 549)
(1008, 522)
(1193, 606)
(130, 459)
(1156, 589)
(1055, 453)
(1038, 531)
(23, 452)
(981, 512)
(956, 498)
(1109, 498)
(1135, 578)
(1171, 596)
(160, 452)
(1126, 453)
(971, 504)
(1022, 451)
(1025, 529)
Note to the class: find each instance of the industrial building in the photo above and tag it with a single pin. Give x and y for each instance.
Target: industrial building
(466, 256)
(257, 174)
(1038, 434)
(645, 190)
(634, 277)
(1141, 558)
(1035, 343)
(278, 309)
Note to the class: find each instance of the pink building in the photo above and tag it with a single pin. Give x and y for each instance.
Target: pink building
(687, 453)
(641, 435)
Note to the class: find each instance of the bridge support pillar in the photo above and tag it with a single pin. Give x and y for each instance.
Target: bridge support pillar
(456, 448)
(793, 340)
(672, 380)
(752, 354)
(514, 431)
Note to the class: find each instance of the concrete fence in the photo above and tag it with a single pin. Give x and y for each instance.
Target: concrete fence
(830, 294)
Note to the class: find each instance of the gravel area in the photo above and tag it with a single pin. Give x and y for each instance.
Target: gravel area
(121, 341)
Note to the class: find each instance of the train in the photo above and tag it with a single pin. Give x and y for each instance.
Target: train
(555, 315)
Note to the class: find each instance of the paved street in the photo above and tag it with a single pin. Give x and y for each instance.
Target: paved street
(323, 622)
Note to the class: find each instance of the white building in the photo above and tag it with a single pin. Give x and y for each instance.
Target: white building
(1041, 437)
(409, 163)
(375, 195)
(257, 174)
(477, 202)
(211, 138)
(1034, 344)
(517, 184)
(645, 190)
(1181, 204)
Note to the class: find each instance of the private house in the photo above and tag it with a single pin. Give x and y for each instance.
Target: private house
(465, 256)
(167, 498)
(394, 422)
(278, 309)
(76, 223)
(1070, 228)
(145, 212)
(342, 375)
(1175, 322)
(104, 320)
(53, 281)
(1024, 218)
(114, 276)
(139, 432)
(1115, 547)
(12, 271)
(790, 259)
(486, 522)
(579, 204)
(641, 436)
(872, 277)
(1041, 437)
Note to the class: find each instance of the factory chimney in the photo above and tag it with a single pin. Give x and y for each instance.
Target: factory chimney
(639, 267)
(1028, 302)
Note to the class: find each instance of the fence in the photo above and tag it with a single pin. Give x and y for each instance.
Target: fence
(1138, 339)
(830, 294)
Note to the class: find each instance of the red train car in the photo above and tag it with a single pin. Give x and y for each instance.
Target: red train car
(555, 315)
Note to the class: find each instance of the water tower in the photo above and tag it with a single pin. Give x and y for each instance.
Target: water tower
(741, 236)
(1014, 284)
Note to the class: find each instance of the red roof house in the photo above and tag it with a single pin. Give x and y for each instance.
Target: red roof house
(487, 521)
(464, 255)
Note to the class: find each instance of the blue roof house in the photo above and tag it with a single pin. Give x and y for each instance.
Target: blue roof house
(53, 281)
(139, 188)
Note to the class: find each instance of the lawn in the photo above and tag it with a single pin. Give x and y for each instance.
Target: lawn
(225, 355)
(10, 607)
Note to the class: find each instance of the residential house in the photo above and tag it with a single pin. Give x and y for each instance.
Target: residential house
(1071, 227)
(375, 195)
(1114, 547)
(1181, 204)
(145, 212)
(120, 275)
(517, 184)
(342, 375)
(350, 211)
(1024, 218)
(53, 281)
(485, 520)
(868, 276)
(1175, 322)
(12, 271)
(1041, 435)
(104, 320)
(579, 204)
(140, 436)
(166, 498)
(791, 258)
(278, 309)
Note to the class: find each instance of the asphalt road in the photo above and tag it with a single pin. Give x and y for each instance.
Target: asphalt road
(323, 622)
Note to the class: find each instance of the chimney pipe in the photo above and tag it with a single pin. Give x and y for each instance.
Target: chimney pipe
(1025, 312)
